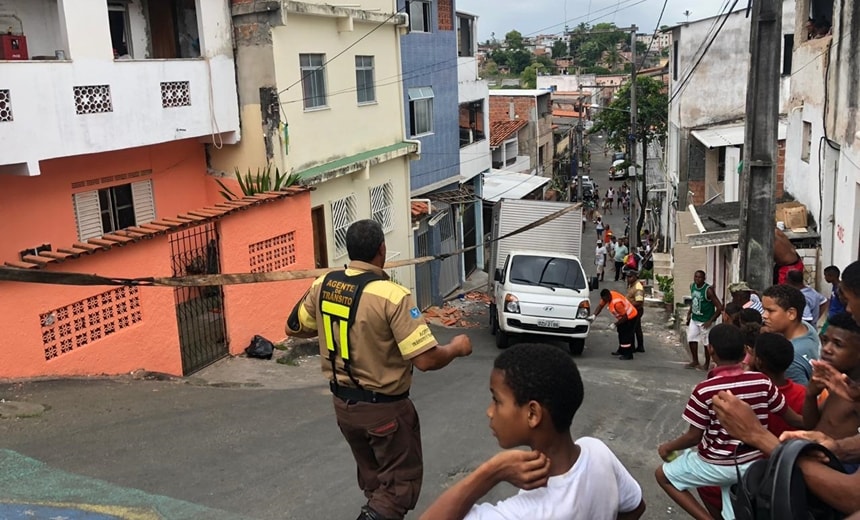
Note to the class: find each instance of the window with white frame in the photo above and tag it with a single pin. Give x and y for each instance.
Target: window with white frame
(381, 205)
(420, 110)
(342, 215)
(313, 80)
(103, 211)
(364, 79)
(420, 15)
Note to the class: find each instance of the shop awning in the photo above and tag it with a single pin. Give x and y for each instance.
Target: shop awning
(729, 135)
(502, 184)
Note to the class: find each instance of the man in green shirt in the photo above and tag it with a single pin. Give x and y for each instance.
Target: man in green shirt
(704, 311)
(620, 252)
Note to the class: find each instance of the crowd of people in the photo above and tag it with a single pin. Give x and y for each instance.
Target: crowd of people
(783, 364)
(774, 372)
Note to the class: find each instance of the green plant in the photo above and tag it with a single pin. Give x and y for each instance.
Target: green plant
(667, 287)
(259, 182)
(646, 274)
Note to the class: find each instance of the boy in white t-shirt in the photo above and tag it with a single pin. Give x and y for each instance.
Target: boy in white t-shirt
(536, 390)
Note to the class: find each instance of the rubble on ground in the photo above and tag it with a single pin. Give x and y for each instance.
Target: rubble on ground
(467, 310)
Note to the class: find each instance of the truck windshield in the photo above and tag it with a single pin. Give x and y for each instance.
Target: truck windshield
(547, 271)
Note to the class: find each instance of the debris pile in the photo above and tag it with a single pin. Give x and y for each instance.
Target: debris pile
(468, 310)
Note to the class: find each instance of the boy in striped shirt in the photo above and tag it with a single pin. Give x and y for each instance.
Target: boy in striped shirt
(713, 462)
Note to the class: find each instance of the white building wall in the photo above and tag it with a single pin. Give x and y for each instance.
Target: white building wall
(38, 20)
(45, 121)
(716, 92)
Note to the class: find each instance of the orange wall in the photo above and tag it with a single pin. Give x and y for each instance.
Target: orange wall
(153, 343)
(39, 210)
(263, 308)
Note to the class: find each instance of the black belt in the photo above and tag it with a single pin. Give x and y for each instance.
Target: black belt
(348, 393)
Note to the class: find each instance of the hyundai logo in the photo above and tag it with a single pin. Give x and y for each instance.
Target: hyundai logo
(549, 308)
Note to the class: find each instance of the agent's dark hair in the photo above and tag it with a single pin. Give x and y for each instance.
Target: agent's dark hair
(851, 277)
(605, 293)
(546, 374)
(363, 239)
(832, 269)
(844, 321)
(727, 341)
(787, 297)
(794, 276)
(750, 333)
(774, 352)
(750, 315)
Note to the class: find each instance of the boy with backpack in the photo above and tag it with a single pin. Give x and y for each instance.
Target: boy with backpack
(713, 464)
(536, 390)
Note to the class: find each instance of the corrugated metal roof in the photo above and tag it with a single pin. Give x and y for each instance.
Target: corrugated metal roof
(730, 135)
(501, 184)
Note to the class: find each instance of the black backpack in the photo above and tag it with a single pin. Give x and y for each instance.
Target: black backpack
(774, 489)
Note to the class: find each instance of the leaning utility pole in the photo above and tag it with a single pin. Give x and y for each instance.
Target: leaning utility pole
(758, 185)
(633, 224)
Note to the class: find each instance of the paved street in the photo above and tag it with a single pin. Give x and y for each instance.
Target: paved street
(255, 439)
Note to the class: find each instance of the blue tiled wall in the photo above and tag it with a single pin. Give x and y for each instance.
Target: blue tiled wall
(430, 59)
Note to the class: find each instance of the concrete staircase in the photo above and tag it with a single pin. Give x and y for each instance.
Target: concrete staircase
(662, 264)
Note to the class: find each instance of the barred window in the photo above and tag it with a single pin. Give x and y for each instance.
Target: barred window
(381, 204)
(342, 215)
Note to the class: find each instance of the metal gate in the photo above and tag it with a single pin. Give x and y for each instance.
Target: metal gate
(423, 272)
(449, 274)
(199, 310)
(470, 238)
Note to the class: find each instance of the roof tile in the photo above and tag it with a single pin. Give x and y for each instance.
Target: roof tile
(150, 229)
(502, 130)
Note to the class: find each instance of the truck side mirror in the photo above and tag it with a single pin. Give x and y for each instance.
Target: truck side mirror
(497, 276)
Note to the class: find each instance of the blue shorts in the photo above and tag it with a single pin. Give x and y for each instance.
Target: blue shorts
(689, 471)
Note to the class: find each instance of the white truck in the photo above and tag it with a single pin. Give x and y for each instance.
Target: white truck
(539, 285)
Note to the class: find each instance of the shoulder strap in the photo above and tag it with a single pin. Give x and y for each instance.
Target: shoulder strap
(788, 497)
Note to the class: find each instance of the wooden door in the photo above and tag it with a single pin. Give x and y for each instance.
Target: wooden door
(320, 248)
(162, 28)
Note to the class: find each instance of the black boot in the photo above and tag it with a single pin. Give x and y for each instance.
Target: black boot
(626, 353)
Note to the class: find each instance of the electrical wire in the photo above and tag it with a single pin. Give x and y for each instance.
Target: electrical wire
(686, 80)
(348, 47)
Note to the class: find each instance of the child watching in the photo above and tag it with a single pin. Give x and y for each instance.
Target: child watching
(730, 313)
(783, 314)
(837, 417)
(772, 356)
(717, 453)
(536, 390)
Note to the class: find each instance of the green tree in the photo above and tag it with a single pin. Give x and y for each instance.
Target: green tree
(518, 60)
(559, 49)
(514, 40)
(641, 48)
(490, 68)
(652, 114)
(546, 62)
(529, 76)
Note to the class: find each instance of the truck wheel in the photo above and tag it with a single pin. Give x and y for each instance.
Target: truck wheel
(502, 339)
(576, 345)
(494, 320)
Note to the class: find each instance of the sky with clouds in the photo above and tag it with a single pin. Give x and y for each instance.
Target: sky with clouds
(532, 17)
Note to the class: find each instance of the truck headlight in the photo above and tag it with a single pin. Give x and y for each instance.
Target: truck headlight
(584, 310)
(512, 304)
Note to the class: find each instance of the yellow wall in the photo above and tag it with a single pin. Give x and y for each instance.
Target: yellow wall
(344, 128)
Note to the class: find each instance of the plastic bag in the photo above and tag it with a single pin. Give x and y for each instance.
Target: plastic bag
(260, 348)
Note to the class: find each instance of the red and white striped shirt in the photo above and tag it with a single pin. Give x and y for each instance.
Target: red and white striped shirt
(753, 388)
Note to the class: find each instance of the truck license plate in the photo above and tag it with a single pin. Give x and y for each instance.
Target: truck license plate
(550, 324)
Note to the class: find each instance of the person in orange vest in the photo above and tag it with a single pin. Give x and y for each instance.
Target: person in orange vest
(625, 314)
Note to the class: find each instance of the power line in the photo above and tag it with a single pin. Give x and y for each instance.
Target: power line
(653, 36)
(348, 47)
(686, 80)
